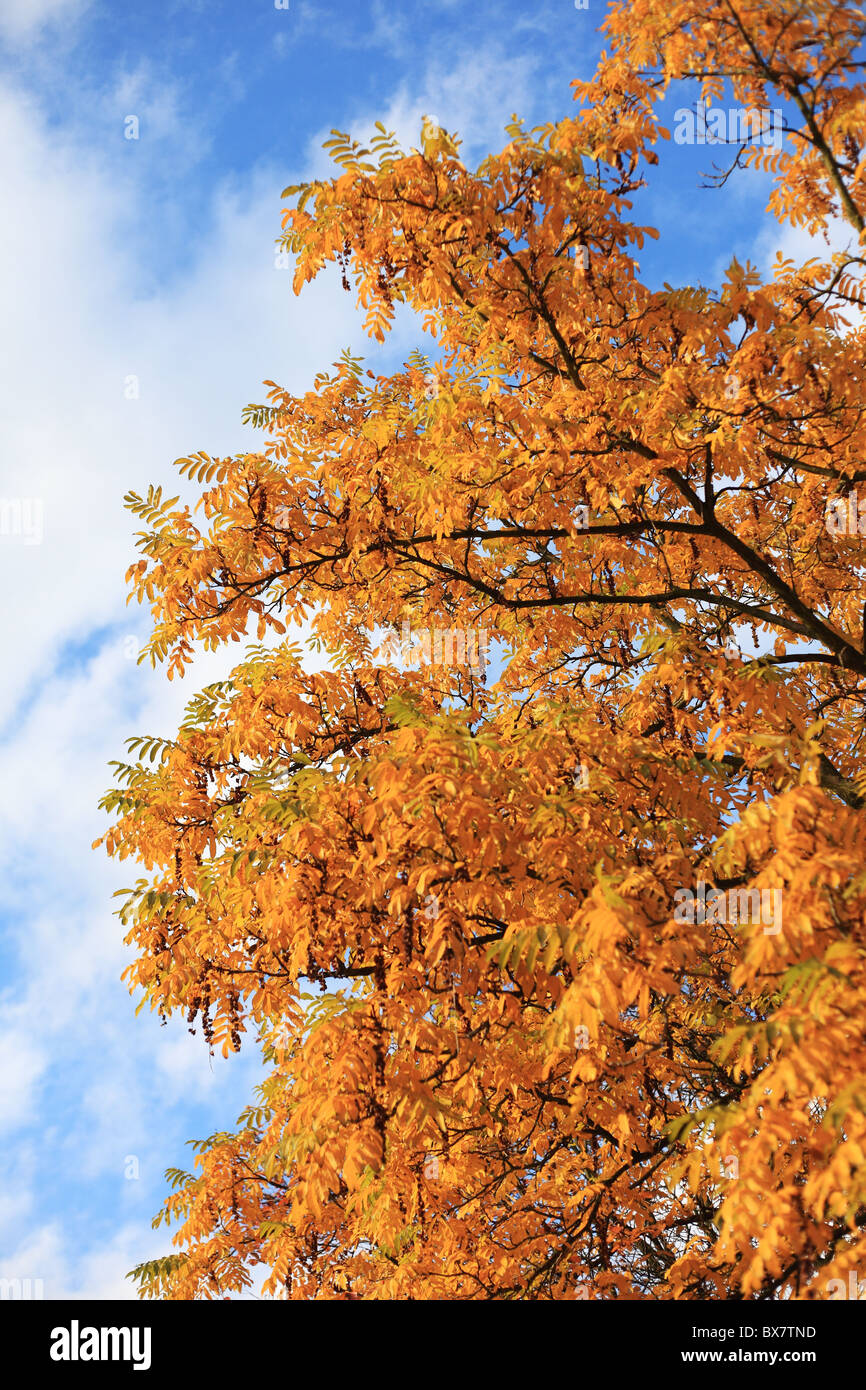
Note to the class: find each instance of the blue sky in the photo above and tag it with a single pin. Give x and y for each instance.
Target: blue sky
(151, 261)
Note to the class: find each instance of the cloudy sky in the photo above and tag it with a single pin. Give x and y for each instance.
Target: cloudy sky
(142, 307)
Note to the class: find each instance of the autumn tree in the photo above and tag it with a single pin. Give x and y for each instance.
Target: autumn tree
(530, 1029)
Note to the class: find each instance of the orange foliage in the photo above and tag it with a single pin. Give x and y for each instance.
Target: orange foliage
(529, 1073)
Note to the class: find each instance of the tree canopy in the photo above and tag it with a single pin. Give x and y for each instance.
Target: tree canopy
(556, 962)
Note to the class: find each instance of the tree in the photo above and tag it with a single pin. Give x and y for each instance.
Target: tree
(589, 937)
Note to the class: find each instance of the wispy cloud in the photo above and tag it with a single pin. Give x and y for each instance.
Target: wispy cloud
(85, 1084)
(22, 21)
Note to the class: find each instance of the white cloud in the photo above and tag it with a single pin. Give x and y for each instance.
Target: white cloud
(107, 383)
(21, 20)
(81, 315)
(56, 1270)
(22, 1065)
(796, 243)
(474, 96)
